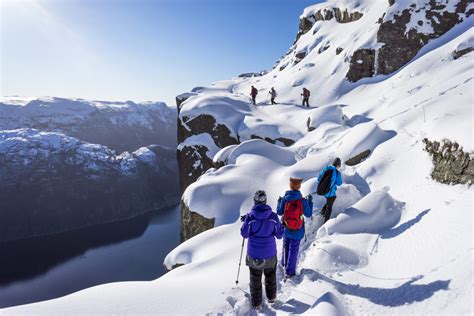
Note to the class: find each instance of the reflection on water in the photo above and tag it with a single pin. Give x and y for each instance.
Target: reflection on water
(52, 266)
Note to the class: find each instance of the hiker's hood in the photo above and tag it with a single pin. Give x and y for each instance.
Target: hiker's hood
(292, 195)
(261, 211)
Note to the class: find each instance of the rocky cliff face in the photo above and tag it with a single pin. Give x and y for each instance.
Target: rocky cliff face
(451, 164)
(193, 223)
(50, 182)
(121, 126)
(403, 31)
(327, 14)
(193, 159)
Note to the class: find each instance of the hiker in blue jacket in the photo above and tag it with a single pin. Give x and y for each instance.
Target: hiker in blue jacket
(261, 226)
(292, 207)
(336, 180)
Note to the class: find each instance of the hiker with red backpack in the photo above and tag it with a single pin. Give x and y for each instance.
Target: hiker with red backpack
(253, 94)
(306, 95)
(293, 207)
(328, 181)
(261, 226)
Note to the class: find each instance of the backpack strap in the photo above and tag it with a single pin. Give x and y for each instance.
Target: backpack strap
(301, 209)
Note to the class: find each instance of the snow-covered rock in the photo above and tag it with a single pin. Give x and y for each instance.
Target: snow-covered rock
(121, 126)
(50, 182)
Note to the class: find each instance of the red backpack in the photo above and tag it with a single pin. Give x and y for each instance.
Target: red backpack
(293, 214)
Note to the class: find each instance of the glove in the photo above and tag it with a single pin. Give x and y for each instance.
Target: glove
(242, 218)
(309, 198)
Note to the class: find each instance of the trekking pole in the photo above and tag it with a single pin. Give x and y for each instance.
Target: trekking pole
(240, 261)
(284, 260)
(304, 231)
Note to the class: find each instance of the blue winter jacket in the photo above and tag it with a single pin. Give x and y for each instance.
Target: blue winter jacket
(292, 195)
(336, 180)
(261, 226)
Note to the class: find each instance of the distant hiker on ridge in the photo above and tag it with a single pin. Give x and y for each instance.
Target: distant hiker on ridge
(328, 181)
(306, 95)
(261, 226)
(273, 95)
(253, 94)
(293, 206)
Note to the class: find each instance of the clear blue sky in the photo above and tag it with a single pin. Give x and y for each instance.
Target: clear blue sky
(136, 49)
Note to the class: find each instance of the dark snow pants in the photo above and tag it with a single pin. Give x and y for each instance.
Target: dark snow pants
(253, 99)
(306, 101)
(273, 101)
(256, 284)
(327, 208)
(291, 248)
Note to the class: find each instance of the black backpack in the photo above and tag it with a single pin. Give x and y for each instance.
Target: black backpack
(324, 186)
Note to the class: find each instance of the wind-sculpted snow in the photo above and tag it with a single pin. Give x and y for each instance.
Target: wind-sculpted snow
(332, 113)
(375, 213)
(328, 305)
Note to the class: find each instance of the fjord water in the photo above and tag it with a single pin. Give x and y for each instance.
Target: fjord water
(52, 266)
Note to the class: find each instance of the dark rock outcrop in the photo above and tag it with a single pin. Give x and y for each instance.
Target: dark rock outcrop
(339, 50)
(50, 183)
(299, 56)
(253, 74)
(451, 164)
(323, 48)
(401, 45)
(461, 52)
(306, 23)
(346, 16)
(358, 158)
(361, 65)
(192, 223)
(342, 16)
(193, 160)
(205, 124)
(285, 141)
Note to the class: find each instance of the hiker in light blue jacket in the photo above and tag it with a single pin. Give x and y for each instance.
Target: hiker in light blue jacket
(336, 180)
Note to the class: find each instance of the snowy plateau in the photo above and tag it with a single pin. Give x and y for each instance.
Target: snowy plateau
(384, 76)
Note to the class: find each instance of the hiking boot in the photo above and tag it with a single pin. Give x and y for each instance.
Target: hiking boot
(257, 307)
(271, 300)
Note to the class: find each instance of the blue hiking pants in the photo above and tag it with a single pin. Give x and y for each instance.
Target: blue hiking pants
(291, 248)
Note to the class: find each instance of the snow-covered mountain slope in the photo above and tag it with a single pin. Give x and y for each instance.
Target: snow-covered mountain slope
(399, 242)
(122, 126)
(50, 182)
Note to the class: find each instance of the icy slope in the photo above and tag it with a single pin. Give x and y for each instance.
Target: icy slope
(119, 125)
(399, 243)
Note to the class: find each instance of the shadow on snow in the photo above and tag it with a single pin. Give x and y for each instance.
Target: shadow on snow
(406, 293)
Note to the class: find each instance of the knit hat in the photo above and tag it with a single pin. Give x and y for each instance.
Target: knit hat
(260, 197)
(336, 162)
